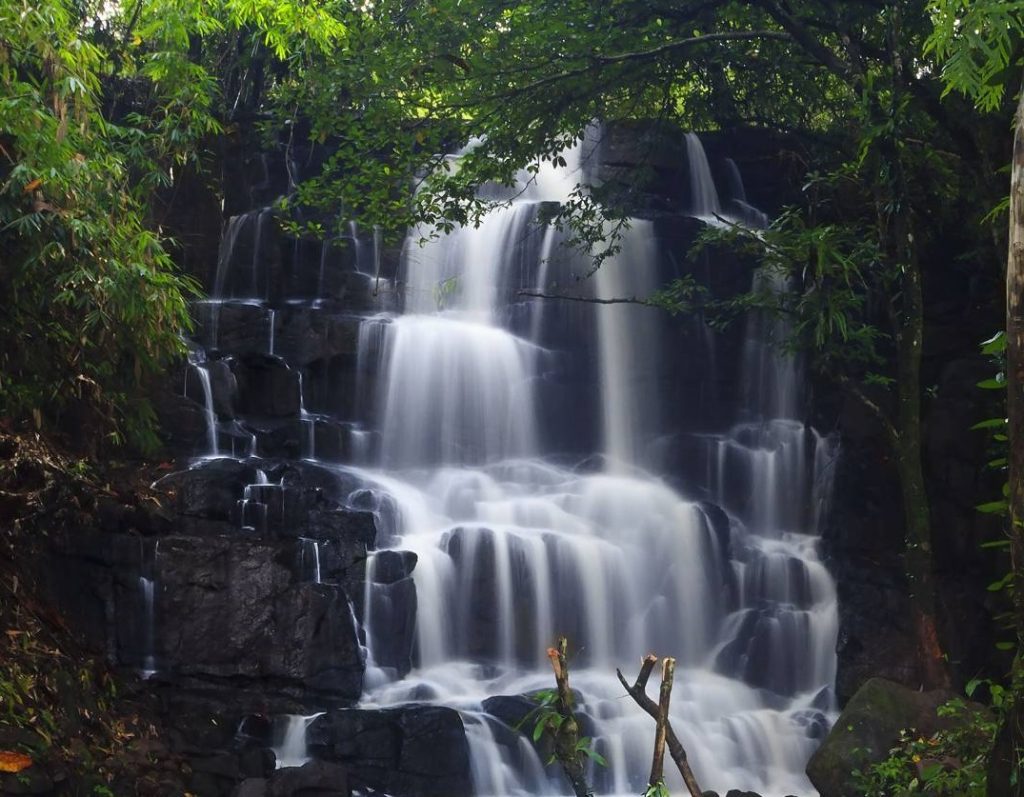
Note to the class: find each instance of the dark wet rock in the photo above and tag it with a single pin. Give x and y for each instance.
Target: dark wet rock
(862, 547)
(229, 608)
(223, 386)
(394, 618)
(392, 566)
(308, 334)
(267, 387)
(232, 328)
(413, 751)
(510, 709)
(280, 438)
(312, 779)
(208, 490)
(256, 762)
(869, 727)
(251, 787)
(739, 793)
(183, 423)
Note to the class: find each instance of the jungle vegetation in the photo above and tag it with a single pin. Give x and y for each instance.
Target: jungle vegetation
(905, 110)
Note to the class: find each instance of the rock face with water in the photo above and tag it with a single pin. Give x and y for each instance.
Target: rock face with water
(397, 492)
(402, 495)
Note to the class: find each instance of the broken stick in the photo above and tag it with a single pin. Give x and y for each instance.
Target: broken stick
(638, 691)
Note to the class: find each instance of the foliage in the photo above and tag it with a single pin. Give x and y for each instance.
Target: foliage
(101, 106)
(659, 789)
(950, 762)
(92, 301)
(548, 720)
(978, 43)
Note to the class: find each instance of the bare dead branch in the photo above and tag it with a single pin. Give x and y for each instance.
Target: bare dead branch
(675, 748)
(668, 669)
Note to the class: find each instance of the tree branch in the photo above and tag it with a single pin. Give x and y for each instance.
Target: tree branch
(675, 748)
(668, 669)
(643, 55)
(810, 43)
(586, 299)
(654, 52)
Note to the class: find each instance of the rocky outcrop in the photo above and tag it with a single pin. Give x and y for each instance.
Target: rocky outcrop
(869, 727)
(419, 751)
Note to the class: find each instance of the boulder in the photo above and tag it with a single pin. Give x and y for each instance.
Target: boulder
(312, 779)
(210, 490)
(412, 751)
(267, 387)
(869, 727)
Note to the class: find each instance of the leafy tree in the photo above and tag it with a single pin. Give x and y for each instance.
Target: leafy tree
(980, 47)
(99, 105)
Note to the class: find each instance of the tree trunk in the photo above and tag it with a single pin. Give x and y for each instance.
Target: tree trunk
(1011, 748)
(917, 516)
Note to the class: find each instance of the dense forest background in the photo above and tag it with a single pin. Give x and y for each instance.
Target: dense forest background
(898, 118)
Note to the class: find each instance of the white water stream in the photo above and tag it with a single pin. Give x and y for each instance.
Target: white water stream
(514, 547)
(519, 540)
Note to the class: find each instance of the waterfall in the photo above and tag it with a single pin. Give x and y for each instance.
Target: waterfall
(704, 202)
(290, 733)
(148, 634)
(209, 412)
(517, 539)
(628, 339)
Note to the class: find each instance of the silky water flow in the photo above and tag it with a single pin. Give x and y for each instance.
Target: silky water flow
(516, 546)
(521, 536)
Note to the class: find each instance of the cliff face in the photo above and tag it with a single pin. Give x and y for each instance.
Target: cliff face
(234, 586)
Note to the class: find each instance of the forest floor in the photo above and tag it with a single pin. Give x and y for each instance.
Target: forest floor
(69, 723)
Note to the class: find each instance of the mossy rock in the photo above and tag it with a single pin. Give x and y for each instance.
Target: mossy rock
(869, 727)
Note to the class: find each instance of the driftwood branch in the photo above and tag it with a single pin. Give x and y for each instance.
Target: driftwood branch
(638, 691)
(567, 736)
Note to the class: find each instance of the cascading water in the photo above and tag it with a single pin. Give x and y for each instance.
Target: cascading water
(514, 546)
(290, 748)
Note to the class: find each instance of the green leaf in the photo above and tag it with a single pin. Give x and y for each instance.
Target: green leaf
(991, 423)
(994, 345)
(996, 383)
(993, 507)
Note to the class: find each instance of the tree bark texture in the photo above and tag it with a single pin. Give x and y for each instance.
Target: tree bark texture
(1009, 754)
